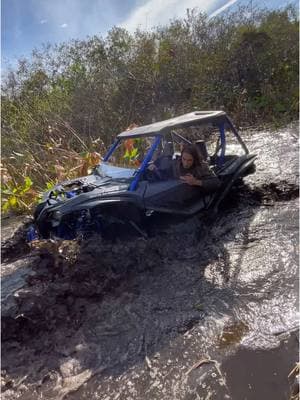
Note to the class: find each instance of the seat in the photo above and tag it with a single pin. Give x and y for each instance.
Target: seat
(202, 150)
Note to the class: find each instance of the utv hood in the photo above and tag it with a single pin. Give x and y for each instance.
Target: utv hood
(84, 192)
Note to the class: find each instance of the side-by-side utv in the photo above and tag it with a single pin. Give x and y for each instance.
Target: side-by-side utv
(122, 187)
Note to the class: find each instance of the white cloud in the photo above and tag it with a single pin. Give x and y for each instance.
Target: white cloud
(221, 9)
(77, 18)
(159, 12)
(81, 18)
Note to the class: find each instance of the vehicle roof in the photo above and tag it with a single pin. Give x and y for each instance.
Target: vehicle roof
(185, 120)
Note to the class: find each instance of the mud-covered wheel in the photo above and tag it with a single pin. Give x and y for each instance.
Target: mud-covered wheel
(119, 221)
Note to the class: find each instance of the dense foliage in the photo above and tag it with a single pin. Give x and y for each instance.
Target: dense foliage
(69, 100)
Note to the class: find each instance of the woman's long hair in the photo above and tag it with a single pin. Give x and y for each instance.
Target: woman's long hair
(192, 150)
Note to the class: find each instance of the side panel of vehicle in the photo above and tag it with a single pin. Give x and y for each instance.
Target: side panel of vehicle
(122, 209)
(173, 196)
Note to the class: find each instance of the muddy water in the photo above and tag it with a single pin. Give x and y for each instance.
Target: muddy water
(205, 309)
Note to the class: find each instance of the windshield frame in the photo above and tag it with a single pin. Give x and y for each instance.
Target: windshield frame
(145, 162)
(137, 172)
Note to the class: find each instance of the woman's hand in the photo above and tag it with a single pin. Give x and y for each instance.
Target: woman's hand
(191, 180)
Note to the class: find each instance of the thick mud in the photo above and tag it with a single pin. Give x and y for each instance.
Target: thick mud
(202, 309)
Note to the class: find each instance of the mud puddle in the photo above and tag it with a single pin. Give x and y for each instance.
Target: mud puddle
(262, 373)
(175, 316)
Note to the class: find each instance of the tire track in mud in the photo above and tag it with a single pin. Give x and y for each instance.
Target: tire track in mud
(94, 306)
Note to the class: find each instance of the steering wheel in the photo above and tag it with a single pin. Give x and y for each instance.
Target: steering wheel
(153, 175)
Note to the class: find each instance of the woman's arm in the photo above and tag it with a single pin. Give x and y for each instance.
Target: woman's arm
(203, 177)
(191, 180)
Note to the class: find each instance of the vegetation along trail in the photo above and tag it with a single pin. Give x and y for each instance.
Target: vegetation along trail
(202, 309)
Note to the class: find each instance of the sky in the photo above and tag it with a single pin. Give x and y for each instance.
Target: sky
(27, 24)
